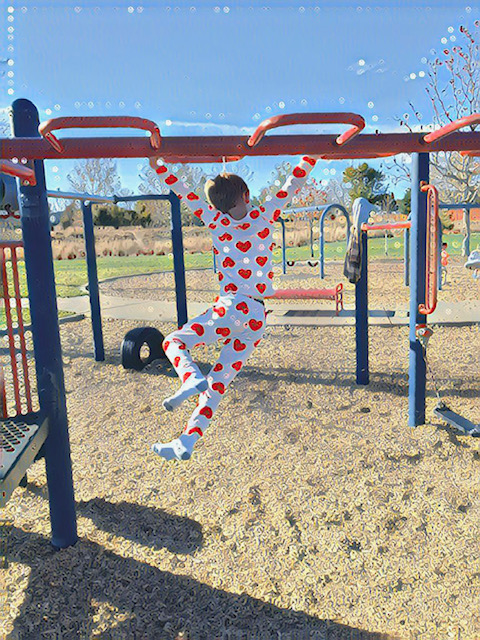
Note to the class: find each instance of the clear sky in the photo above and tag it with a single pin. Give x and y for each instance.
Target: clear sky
(198, 67)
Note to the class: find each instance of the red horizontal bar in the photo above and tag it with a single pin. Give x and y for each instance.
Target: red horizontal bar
(304, 294)
(386, 226)
(219, 146)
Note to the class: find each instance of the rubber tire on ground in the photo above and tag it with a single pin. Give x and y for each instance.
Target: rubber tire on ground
(290, 263)
(312, 264)
(134, 341)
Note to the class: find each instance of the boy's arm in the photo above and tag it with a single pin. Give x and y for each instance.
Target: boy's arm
(201, 209)
(273, 208)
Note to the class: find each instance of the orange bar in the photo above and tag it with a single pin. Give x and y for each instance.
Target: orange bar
(287, 119)
(304, 294)
(431, 275)
(388, 225)
(98, 122)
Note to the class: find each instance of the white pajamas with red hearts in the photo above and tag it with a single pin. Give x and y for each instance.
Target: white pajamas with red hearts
(244, 251)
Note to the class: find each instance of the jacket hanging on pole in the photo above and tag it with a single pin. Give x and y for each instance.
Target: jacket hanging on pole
(361, 211)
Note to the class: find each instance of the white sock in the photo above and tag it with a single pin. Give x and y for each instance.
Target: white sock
(179, 449)
(191, 387)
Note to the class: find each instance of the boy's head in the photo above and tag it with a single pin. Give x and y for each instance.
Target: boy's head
(444, 245)
(226, 191)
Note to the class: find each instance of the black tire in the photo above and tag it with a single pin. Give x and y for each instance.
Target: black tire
(133, 343)
(312, 264)
(290, 263)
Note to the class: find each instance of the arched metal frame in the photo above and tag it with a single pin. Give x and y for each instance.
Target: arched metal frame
(344, 212)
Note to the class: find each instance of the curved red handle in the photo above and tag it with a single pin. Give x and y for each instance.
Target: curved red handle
(449, 128)
(18, 171)
(98, 122)
(310, 118)
(431, 275)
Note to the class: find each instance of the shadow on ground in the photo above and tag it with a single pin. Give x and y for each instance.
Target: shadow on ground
(87, 588)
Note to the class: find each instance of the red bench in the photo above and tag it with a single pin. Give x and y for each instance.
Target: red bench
(312, 294)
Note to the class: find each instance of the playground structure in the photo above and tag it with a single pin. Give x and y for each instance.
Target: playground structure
(32, 149)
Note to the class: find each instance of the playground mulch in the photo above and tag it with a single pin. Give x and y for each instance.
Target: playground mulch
(309, 510)
(386, 284)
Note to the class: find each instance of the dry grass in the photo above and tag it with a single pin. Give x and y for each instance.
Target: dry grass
(309, 510)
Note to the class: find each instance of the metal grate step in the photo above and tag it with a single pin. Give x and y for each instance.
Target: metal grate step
(20, 441)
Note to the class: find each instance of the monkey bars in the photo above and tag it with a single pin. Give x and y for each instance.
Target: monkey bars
(215, 148)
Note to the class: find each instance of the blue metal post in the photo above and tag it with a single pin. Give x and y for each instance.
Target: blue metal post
(91, 258)
(284, 247)
(417, 368)
(466, 241)
(46, 336)
(214, 262)
(406, 257)
(178, 260)
(439, 256)
(361, 315)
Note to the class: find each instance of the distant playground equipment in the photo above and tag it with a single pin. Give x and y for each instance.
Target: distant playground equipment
(473, 263)
(45, 432)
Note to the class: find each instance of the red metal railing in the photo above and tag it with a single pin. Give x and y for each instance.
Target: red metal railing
(451, 127)
(287, 119)
(387, 226)
(8, 255)
(98, 122)
(431, 272)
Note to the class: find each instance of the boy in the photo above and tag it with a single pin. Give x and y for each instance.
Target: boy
(242, 242)
(444, 260)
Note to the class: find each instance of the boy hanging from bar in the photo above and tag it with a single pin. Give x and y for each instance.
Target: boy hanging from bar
(243, 246)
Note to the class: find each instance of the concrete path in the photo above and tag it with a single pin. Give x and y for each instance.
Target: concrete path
(462, 313)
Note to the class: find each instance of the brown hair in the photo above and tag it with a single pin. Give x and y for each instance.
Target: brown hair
(225, 191)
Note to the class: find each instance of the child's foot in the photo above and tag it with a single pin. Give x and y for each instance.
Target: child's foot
(179, 449)
(190, 388)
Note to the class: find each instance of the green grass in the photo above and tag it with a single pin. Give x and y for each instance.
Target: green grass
(71, 275)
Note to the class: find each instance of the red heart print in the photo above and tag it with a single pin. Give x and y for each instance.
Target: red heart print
(276, 214)
(237, 365)
(255, 344)
(212, 226)
(272, 246)
(244, 246)
(199, 330)
(245, 273)
(171, 180)
(311, 161)
(263, 233)
(270, 275)
(223, 331)
(242, 306)
(255, 325)
(254, 214)
(220, 276)
(216, 251)
(186, 376)
(227, 341)
(238, 345)
(261, 287)
(198, 213)
(231, 287)
(219, 386)
(226, 237)
(298, 172)
(192, 196)
(176, 361)
(162, 169)
(244, 226)
(261, 260)
(282, 194)
(218, 367)
(225, 222)
(207, 412)
(228, 262)
(221, 311)
(165, 345)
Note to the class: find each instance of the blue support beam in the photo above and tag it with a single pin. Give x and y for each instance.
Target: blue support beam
(417, 366)
(46, 336)
(178, 260)
(91, 258)
(361, 315)
(406, 257)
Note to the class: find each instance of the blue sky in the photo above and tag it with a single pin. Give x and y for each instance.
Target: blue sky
(198, 67)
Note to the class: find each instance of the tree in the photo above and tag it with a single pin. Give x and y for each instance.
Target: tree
(111, 215)
(405, 203)
(364, 181)
(97, 176)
